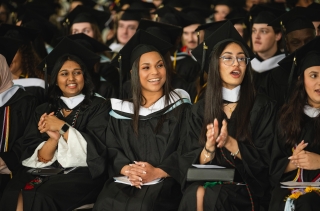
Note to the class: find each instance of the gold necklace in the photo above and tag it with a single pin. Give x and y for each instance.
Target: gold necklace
(231, 108)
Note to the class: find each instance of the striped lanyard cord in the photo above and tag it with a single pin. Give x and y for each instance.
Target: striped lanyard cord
(5, 130)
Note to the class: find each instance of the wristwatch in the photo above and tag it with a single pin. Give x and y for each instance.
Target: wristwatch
(64, 129)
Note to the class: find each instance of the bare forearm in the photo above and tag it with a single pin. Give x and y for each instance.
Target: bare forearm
(233, 147)
(207, 156)
(46, 153)
(290, 167)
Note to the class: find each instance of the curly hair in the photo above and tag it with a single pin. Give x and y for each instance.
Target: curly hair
(29, 61)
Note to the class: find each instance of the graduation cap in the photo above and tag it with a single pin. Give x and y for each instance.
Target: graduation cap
(240, 13)
(67, 46)
(18, 32)
(210, 28)
(40, 7)
(82, 14)
(264, 14)
(165, 31)
(46, 29)
(295, 19)
(9, 48)
(172, 16)
(140, 43)
(137, 10)
(88, 42)
(226, 32)
(198, 9)
(197, 14)
(314, 10)
(303, 58)
(176, 3)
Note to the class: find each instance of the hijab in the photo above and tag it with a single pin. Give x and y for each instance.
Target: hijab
(5, 75)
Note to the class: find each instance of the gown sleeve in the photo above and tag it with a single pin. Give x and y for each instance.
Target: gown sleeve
(91, 126)
(69, 154)
(117, 157)
(21, 113)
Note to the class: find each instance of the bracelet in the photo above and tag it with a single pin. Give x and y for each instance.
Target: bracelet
(235, 154)
(42, 159)
(208, 151)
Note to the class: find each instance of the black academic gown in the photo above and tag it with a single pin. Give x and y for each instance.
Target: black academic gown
(21, 106)
(276, 86)
(64, 191)
(258, 78)
(251, 170)
(279, 162)
(160, 149)
(187, 68)
(110, 87)
(33, 86)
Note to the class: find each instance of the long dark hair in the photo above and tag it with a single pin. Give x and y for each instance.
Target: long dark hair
(291, 116)
(137, 98)
(55, 92)
(214, 102)
(29, 61)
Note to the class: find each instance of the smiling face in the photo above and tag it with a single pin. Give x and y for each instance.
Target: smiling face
(70, 79)
(152, 73)
(232, 76)
(84, 27)
(312, 85)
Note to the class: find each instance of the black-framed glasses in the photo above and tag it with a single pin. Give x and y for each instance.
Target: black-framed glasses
(229, 60)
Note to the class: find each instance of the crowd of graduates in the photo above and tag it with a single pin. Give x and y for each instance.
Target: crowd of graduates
(107, 105)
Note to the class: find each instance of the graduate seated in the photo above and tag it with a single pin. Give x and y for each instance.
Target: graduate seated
(144, 133)
(230, 127)
(296, 150)
(16, 107)
(24, 64)
(65, 134)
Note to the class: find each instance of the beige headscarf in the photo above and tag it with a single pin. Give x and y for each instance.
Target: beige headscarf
(5, 75)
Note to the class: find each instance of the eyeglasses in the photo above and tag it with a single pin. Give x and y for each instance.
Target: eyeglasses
(229, 60)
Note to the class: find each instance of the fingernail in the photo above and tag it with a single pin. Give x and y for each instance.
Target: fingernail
(306, 144)
(126, 171)
(141, 183)
(144, 172)
(290, 157)
(130, 164)
(135, 161)
(140, 179)
(143, 165)
(139, 187)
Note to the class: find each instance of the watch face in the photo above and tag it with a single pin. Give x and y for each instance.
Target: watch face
(64, 129)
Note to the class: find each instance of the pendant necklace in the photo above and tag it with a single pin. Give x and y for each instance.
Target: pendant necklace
(230, 108)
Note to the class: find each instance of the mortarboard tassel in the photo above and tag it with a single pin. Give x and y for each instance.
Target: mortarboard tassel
(198, 36)
(250, 32)
(120, 76)
(204, 50)
(290, 78)
(45, 80)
